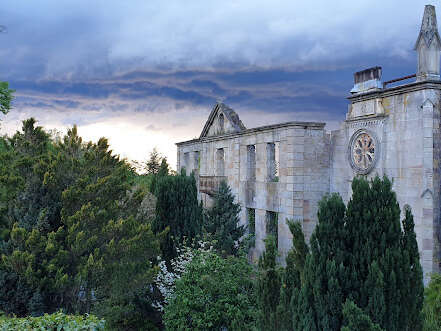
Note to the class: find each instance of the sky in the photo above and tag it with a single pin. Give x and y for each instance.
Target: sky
(146, 73)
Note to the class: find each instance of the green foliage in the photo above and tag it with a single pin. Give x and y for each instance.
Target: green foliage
(153, 164)
(5, 97)
(291, 276)
(268, 287)
(75, 234)
(360, 252)
(214, 293)
(178, 210)
(222, 221)
(384, 265)
(271, 225)
(162, 172)
(432, 304)
(56, 321)
(356, 319)
(251, 213)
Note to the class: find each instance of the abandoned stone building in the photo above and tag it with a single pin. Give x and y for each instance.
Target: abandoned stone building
(282, 171)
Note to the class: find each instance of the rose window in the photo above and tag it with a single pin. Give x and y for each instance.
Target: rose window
(363, 152)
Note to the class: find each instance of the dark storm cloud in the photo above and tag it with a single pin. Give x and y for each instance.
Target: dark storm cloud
(89, 62)
(61, 38)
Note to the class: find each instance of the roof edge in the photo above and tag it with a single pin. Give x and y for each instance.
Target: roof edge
(256, 129)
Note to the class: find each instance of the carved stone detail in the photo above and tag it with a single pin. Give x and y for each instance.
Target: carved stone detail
(363, 151)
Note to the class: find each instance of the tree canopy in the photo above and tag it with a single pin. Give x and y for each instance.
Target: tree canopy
(73, 231)
(359, 252)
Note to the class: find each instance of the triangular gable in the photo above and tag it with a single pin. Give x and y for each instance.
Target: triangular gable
(428, 41)
(232, 122)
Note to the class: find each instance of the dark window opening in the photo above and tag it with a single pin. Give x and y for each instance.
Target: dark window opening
(251, 162)
(272, 225)
(220, 162)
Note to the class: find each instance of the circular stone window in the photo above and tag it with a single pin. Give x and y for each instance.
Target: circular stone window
(363, 151)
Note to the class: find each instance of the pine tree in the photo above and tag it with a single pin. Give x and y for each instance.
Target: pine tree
(153, 164)
(268, 287)
(222, 221)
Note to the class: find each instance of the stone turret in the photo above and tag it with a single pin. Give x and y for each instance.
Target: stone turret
(428, 47)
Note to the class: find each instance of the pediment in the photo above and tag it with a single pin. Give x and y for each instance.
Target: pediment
(222, 120)
(427, 192)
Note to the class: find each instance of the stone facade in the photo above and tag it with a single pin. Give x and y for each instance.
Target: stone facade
(282, 171)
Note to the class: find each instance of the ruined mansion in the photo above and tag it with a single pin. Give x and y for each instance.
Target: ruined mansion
(282, 171)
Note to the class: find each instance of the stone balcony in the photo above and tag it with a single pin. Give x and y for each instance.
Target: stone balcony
(210, 184)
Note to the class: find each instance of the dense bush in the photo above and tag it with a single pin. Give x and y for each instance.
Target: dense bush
(432, 304)
(214, 293)
(56, 321)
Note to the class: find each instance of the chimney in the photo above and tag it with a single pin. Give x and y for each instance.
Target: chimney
(428, 47)
(367, 80)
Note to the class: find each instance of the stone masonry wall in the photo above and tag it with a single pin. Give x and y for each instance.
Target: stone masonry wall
(303, 175)
(407, 128)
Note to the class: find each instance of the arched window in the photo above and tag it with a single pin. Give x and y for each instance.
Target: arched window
(221, 123)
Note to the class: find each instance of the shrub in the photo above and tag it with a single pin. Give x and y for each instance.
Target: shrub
(432, 304)
(56, 321)
(213, 294)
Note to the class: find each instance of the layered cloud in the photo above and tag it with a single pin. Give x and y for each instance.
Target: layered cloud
(146, 73)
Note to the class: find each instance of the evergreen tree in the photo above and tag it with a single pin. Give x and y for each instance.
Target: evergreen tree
(411, 277)
(384, 261)
(5, 97)
(291, 277)
(222, 221)
(268, 287)
(163, 171)
(360, 253)
(177, 209)
(163, 168)
(75, 236)
(322, 296)
(356, 319)
(153, 164)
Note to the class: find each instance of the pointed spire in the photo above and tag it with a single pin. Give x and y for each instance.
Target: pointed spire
(428, 46)
(429, 26)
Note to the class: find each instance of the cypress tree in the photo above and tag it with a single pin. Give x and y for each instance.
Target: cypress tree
(384, 261)
(222, 221)
(322, 292)
(356, 319)
(360, 253)
(291, 277)
(411, 276)
(178, 209)
(268, 287)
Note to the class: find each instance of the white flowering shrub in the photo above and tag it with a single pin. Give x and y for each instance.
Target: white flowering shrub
(166, 279)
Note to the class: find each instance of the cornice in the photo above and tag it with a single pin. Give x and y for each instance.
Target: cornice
(407, 88)
(311, 125)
